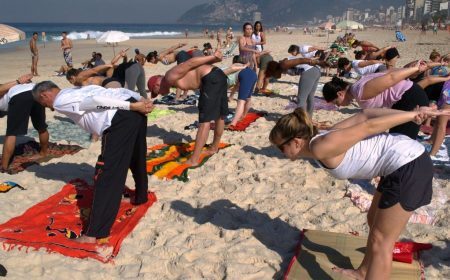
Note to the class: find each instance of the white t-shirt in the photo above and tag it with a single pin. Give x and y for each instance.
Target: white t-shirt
(305, 67)
(93, 107)
(365, 70)
(15, 90)
(304, 50)
(377, 155)
(257, 39)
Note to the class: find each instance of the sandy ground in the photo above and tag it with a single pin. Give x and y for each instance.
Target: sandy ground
(240, 214)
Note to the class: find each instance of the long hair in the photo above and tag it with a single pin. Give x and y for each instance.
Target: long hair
(297, 124)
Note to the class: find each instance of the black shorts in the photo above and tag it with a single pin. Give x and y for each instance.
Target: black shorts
(21, 108)
(213, 101)
(410, 185)
(434, 91)
(112, 79)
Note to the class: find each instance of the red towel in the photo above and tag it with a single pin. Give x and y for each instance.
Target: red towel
(54, 222)
(429, 130)
(404, 251)
(246, 121)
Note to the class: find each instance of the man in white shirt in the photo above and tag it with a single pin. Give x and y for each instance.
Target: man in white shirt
(119, 116)
(16, 99)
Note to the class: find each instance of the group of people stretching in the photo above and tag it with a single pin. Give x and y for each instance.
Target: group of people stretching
(358, 147)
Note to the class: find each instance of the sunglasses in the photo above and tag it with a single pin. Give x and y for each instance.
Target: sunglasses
(281, 146)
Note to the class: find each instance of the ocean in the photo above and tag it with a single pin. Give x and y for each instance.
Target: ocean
(80, 31)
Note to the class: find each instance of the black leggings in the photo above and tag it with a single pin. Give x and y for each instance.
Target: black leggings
(413, 97)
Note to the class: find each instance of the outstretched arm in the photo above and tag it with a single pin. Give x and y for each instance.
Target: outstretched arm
(368, 44)
(182, 69)
(376, 86)
(118, 56)
(234, 68)
(171, 49)
(431, 80)
(83, 75)
(290, 63)
(364, 63)
(369, 122)
(381, 52)
(4, 88)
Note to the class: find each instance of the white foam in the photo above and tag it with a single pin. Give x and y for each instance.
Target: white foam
(97, 34)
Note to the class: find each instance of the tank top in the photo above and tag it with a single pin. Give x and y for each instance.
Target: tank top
(377, 155)
(247, 57)
(257, 39)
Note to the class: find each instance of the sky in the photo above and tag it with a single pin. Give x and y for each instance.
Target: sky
(95, 11)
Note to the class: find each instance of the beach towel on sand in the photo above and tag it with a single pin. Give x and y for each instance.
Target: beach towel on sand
(166, 161)
(429, 129)
(54, 222)
(65, 130)
(170, 100)
(22, 153)
(157, 113)
(8, 185)
(361, 193)
(246, 121)
(319, 104)
(318, 252)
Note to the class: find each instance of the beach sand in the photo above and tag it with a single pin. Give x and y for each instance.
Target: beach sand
(240, 215)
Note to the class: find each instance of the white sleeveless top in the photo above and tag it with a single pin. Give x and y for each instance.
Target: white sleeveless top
(257, 39)
(378, 155)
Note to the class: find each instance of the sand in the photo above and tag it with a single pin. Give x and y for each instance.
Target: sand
(240, 214)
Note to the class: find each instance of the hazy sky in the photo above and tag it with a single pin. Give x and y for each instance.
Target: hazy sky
(108, 11)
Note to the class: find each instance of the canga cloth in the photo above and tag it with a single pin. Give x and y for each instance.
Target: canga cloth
(8, 185)
(53, 224)
(319, 251)
(157, 113)
(23, 153)
(246, 121)
(166, 161)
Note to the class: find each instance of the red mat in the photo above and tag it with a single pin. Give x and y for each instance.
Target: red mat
(246, 121)
(54, 222)
(23, 152)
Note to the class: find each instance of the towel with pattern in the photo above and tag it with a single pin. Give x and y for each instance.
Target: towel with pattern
(53, 224)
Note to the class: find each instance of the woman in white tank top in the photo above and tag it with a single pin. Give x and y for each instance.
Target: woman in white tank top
(358, 148)
(258, 36)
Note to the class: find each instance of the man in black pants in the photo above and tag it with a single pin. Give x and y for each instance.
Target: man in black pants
(16, 99)
(197, 73)
(119, 116)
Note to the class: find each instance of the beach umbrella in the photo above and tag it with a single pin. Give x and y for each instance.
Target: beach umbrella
(327, 26)
(349, 24)
(113, 37)
(10, 34)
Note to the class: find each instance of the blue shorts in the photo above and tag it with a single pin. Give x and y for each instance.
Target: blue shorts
(247, 80)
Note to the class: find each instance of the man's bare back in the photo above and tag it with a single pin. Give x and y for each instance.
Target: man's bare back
(193, 79)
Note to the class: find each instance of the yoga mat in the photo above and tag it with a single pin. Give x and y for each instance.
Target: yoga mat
(170, 100)
(54, 222)
(22, 153)
(318, 252)
(166, 161)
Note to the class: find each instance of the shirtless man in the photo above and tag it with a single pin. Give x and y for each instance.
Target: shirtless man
(34, 54)
(198, 73)
(66, 46)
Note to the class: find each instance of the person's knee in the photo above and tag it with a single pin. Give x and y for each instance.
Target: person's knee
(380, 244)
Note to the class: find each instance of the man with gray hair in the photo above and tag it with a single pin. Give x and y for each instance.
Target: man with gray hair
(119, 116)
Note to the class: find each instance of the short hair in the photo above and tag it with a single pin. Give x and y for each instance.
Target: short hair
(343, 61)
(73, 73)
(331, 88)
(294, 48)
(238, 59)
(41, 87)
(35, 33)
(99, 54)
(64, 32)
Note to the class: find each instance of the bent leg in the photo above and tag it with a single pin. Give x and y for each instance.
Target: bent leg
(200, 141)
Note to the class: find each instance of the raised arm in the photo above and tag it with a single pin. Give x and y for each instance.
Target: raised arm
(234, 68)
(381, 52)
(83, 75)
(377, 85)
(182, 69)
(364, 63)
(370, 122)
(368, 44)
(431, 80)
(171, 49)
(4, 88)
(118, 56)
(290, 63)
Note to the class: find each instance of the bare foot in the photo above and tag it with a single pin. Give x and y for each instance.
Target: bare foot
(211, 151)
(349, 273)
(191, 162)
(85, 239)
